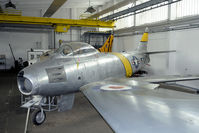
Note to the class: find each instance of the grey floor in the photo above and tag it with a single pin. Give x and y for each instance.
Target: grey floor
(83, 118)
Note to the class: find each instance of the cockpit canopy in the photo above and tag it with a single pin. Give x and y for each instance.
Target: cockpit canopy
(76, 49)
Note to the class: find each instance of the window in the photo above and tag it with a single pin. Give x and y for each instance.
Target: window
(184, 8)
(154, 15)
(125, 22)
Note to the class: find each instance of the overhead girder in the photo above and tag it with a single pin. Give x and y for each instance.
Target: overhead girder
(61, 25)
(55, 5)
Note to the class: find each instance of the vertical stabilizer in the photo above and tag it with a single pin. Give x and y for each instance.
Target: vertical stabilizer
(143, 42)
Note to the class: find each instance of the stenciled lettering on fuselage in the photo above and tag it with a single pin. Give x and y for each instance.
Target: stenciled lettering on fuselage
(56, 74)
(136, 62)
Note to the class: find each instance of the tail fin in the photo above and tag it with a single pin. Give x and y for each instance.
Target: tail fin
(107, 47)
(142, 47)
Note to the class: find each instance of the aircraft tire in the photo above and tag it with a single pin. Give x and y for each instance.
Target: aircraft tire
(38, 118)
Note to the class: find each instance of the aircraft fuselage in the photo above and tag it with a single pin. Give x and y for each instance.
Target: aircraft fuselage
(65, 74)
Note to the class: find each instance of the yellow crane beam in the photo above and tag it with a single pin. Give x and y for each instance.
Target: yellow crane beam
(61, 25)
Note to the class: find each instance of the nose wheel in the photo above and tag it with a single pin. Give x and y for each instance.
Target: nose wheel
(38, 117)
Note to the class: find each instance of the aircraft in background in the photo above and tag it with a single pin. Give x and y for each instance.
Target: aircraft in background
(127, 104)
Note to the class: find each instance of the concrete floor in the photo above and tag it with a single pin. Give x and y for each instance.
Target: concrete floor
(83, 118)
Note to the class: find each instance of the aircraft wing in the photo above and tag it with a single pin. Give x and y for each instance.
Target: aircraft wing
(130, 106)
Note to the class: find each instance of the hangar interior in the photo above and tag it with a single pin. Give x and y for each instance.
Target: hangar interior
(173, 25)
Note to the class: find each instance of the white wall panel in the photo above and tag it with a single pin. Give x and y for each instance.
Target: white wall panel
(33, 13)
(187, 55)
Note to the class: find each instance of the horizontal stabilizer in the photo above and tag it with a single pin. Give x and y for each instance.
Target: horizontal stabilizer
(159, 52)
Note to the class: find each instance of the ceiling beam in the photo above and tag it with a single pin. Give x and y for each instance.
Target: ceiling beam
(55, 5)
(112, 8)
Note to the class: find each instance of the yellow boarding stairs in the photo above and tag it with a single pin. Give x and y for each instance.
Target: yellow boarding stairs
(107, 47)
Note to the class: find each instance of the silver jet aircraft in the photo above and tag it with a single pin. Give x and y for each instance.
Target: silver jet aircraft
(127, 104)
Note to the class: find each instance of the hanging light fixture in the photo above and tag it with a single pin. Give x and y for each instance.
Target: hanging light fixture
(90, 9)
(10, 4)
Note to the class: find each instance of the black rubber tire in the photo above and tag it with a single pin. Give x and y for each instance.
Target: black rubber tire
(34, 119)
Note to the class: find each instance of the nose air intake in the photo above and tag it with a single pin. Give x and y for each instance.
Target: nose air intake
(24, 84)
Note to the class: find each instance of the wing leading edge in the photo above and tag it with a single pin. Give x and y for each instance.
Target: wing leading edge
(143, 108)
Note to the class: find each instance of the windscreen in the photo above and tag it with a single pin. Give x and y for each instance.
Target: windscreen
(76, 49)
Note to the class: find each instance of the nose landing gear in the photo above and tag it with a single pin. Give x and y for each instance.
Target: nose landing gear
(38, 116)
(39, 104)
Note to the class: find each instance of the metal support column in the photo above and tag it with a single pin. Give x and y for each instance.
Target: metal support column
(169, 10)
(70, 16)
(54, 39)
(134, 15)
